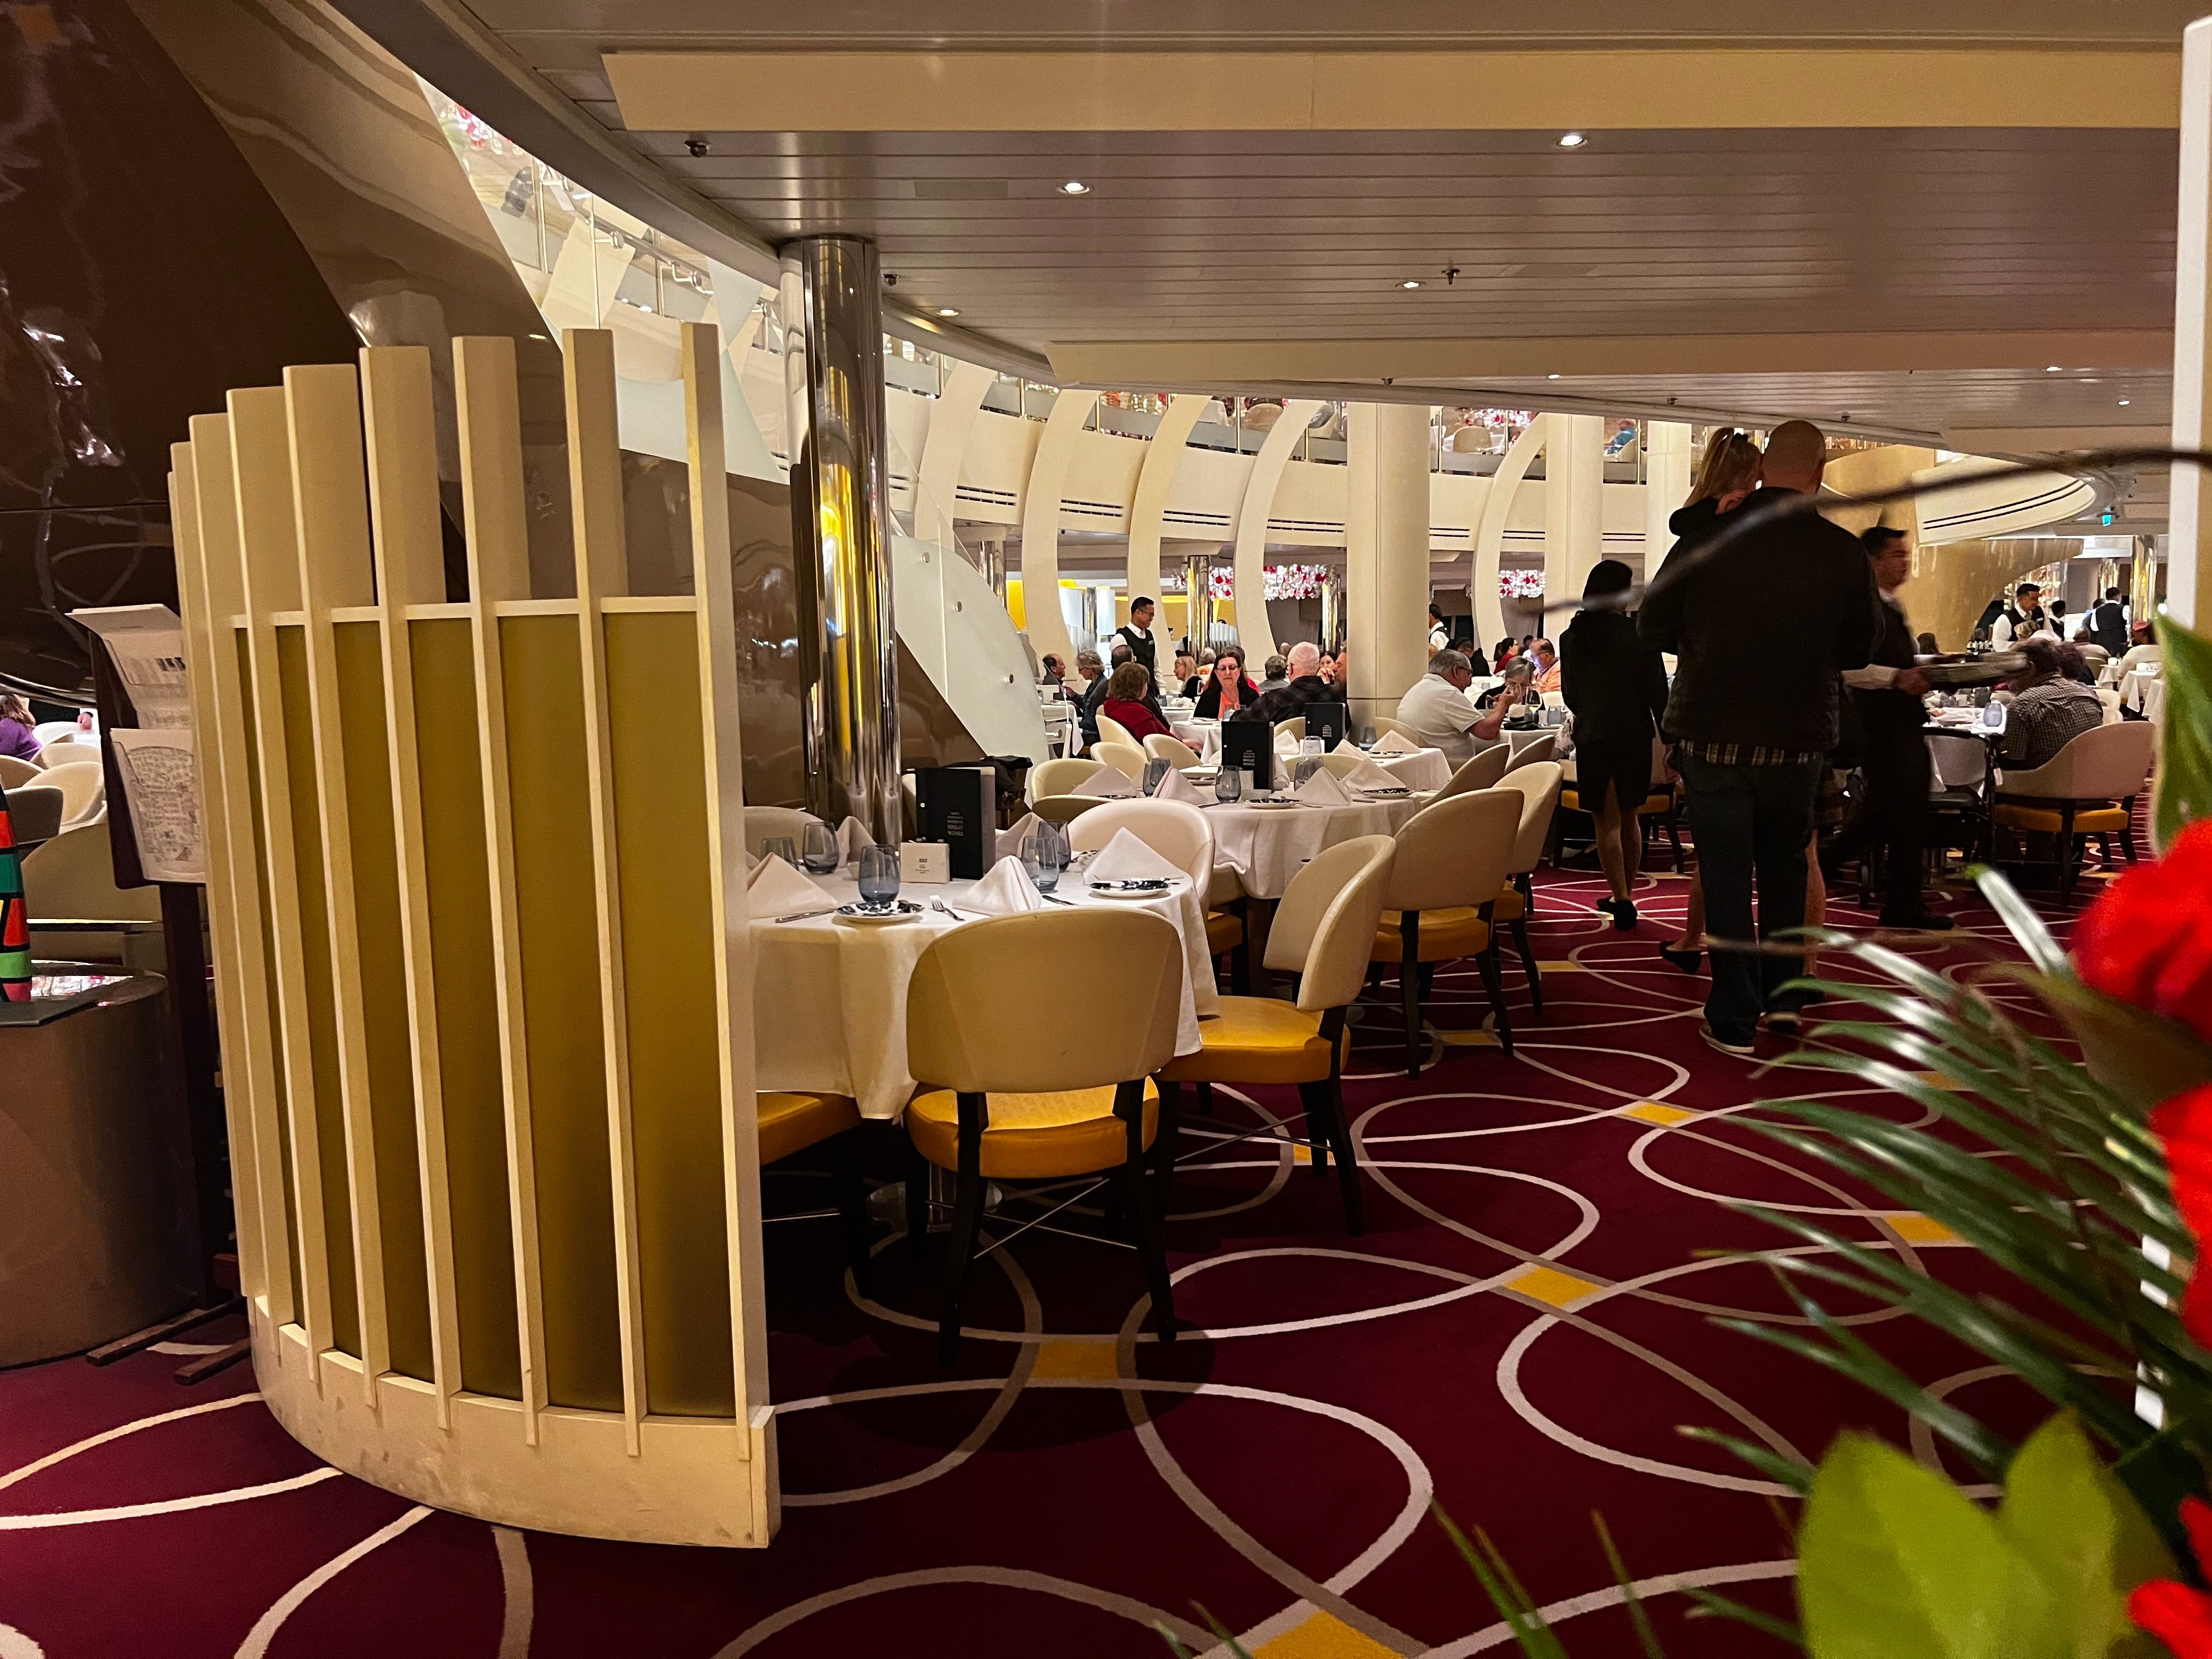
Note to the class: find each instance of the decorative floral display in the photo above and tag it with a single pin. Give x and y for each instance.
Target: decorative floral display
(1521, 584)
(1284, 581)
(2177, 1614)
(2148, 939)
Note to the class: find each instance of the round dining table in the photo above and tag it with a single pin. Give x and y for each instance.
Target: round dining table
(829, 996)
(1267, 844)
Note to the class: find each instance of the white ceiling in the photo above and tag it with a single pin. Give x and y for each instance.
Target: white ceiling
(1224, 235)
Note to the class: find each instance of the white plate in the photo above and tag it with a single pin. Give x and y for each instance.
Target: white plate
(1119, 893)
(1273, 806)
(855, 916)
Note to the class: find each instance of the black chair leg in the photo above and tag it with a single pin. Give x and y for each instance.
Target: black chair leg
(2128, 832)
(1240, 959)
(917, 1205)
(1143, 1213)
(1324, 1104)
(1494, 983)
(1528, 964)
(850, 1188)
(1165, 1145)
(1409, 986)
(1675, 840)
(967, 1221)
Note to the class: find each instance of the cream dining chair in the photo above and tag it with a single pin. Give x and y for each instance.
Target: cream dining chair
(18, 774)
(1174, 750)
(2087, 788)
(1112, 731)
(1452, 860)
(1481, 771)
(1539, 785)
(1059, 777)
(1385, 723)
(1064, 809)
(1013, 1087)
(1534, 753)
(1321, 929)
(1127, 758)
(83, 784)
(1179, 833)
(765, 823)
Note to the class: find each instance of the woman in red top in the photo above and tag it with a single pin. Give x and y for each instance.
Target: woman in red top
(1125, 701)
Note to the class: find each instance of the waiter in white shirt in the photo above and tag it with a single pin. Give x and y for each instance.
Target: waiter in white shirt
(1137, 636)
(2022, 618)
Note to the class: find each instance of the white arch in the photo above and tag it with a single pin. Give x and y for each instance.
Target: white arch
(1047, 630)
(1574, 506)
(1490, 534)
(1252, 521)
(1155, 483)
(937, 481)
(1666, 482)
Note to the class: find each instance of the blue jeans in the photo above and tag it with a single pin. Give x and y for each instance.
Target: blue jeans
(1752, 824)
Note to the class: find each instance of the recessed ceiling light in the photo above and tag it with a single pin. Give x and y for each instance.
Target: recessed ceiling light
(1075, 187)
(1572, 140)
(946, 311)
(2124, 402)
(2053, 368)
(1551, 377)
(1410, 282)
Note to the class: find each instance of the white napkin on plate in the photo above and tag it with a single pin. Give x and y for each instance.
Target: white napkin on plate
(1005, 890)
(1010, 841)
(1395, 742)
(777, 889)
(853, 839)
(1125, 858)
(1321, 790)
(1366, 775)
(1107, 783)
(1177, 785)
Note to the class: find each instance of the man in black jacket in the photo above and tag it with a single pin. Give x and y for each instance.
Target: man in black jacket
(2108, 624)
(1892, 810)
(1137, 635)
(1762, 619)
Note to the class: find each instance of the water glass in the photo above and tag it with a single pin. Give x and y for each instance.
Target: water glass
(1307, 766)
(780, 846)
(1156, 769)
(1311, 746)
(1044, 855)
(1366, 737)
(1248, 782)
(819, 848)
(1228, 785)
(879, 875)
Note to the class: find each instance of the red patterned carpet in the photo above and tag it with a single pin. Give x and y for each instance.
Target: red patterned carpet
(1517, 1336)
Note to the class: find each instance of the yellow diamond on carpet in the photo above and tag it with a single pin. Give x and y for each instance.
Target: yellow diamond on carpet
(1561, 1290)
(1939, 1080)
(1559, 967)
(1323, 1636)
(1074, 1356)
(1468, 1039)
(1657, 1111)
(1301, 1154)
(1915, 1228)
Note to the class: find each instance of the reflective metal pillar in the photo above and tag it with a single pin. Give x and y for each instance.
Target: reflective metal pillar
(1197, 590)
(833, 378)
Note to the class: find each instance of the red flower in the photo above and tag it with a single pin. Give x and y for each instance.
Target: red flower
(2185, 1124)
(2148, 939)
(2179, 1616)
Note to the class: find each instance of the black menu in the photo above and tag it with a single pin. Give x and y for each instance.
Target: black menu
(1249, 746)
(958, 805)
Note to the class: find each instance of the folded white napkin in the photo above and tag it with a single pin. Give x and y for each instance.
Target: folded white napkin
(1010, 841)
(777, 889)
(1125, 858)
(1366, 775)
(853, 839)
(1321, 790)
(1107, 783)
(1005, 890)
(1177, 785)
(1395, 743)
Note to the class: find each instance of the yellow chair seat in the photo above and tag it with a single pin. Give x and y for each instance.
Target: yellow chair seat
(1659, 800)
(1033, 1137)
(1508, 906)
(1456, 931)
(792, 1123)
(1571, 799)
(1224, 933)
(2087, 820)
(1254, 1039)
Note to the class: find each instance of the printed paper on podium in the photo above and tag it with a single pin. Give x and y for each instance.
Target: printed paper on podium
(147, 643)
(160, 787)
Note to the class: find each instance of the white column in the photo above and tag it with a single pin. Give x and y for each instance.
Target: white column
(1386, 544)
(1574, 507)
(2188, 563)
(1666, 482)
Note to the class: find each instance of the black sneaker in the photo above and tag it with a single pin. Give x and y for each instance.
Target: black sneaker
(1740, 1050)
(1624, 915)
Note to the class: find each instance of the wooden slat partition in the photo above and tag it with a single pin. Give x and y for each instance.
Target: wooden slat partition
(603, 573)
(497, 533)
(401, 435)
(269, 564)
(245, 1090)
(503, 1013)
(213, 595)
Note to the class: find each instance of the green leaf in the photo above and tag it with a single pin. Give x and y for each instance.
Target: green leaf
(2020, 919)
(2184, 762)
(1530, 1631)
(2146, 1060)
(2073, 1522)
(1722, 1606)
(1647, 1636)
(1895, 1560)
(2160, 1472)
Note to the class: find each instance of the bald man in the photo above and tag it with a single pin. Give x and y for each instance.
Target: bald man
(1763, 618)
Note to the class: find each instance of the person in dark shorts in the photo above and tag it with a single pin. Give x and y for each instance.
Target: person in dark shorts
(1616, 683)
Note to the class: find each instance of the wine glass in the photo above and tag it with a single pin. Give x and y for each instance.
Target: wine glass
(1044, 855)
(819, 848)
(780, 846)
(1228, 784)
(879, 876)
(1156, 769)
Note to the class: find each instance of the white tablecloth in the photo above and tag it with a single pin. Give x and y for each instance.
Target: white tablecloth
(830, 997)
(1424, 769)
(2143, 690)
(1268, 846)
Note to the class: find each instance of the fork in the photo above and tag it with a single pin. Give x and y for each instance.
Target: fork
(802, 915)
(956, 915)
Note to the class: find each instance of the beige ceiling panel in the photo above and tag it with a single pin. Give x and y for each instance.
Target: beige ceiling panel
(1369, 91)
(1241, 361)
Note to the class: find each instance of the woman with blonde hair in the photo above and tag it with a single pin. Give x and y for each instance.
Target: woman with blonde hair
(1728, 473)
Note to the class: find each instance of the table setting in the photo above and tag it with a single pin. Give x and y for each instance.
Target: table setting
(834, 950)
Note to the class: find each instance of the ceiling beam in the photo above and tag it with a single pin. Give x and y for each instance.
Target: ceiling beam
(752, 91)
(1130, 362)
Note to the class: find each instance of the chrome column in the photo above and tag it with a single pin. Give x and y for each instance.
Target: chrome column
(1198, 589)
(833, 378)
